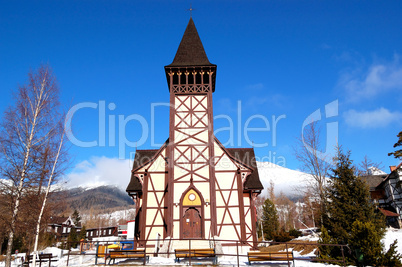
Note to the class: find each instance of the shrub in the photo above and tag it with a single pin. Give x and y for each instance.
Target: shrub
(392, 258)
(295, 233)
(282, 236)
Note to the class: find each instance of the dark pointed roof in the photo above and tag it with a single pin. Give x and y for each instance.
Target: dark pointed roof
(141, 157)
(191, 51)
(247, 156)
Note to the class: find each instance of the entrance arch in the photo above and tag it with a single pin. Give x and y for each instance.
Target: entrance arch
(192, 215)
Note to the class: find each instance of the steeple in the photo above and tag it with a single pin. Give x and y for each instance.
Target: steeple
(191, 51)
(191, 66)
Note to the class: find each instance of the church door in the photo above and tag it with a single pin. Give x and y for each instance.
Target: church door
(191, 223)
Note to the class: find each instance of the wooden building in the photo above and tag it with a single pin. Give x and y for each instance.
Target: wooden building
(386, 192)
(193, 187)
(61, 227)
(102, 233)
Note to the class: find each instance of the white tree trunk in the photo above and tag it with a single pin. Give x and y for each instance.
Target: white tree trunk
(37, 106)
(45, 199)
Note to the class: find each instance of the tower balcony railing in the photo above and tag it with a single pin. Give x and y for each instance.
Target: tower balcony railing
(191, 88)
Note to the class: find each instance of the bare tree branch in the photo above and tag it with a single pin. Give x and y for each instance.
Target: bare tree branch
(27, 127)
(312, 162)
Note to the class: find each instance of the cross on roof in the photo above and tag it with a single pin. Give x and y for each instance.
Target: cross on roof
(191, 11)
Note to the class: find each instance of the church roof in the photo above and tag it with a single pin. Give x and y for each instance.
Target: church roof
(141, 157)
(247, 157)
(242, 155)
(191, 51)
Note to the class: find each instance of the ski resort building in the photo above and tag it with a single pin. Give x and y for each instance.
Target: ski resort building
(386, 192)
(193, 187)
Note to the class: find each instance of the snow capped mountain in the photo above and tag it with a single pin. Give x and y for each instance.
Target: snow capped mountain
(118, 215)
(375, 171)
(286, 180)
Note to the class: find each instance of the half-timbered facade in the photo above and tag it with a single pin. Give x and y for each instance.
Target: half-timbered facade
(193, 187)
(386, 192)
(392, 187)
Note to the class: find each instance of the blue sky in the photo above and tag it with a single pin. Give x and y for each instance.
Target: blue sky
(285, 59)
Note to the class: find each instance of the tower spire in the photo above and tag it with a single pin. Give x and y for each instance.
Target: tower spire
(191, 51)
(191, 61)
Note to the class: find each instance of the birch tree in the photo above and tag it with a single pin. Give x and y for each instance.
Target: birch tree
(52, 175)
(27, 126)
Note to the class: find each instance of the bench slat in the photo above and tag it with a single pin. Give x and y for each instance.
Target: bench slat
(126, 254)
(195, 253)
(269, 256)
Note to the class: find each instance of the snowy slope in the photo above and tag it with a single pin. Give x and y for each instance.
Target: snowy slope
(286, 180)
(375, 171)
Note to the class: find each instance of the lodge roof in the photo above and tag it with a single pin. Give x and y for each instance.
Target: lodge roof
(58, 220)
(388, 213)
(191, 51)
(374, 180)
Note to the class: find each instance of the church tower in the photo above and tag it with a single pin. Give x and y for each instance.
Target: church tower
(191, 81)
(193, 187)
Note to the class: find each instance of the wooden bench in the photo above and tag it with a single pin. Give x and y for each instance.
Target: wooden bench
(47, 257)
(270, 256)
(195, 253)
(127, 254)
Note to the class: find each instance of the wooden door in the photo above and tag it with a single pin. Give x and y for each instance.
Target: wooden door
(191, 223)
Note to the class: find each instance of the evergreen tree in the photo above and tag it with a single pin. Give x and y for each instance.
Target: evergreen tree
(397, 153)
(72, 239)
(76, 217)
(83, 233)
(392, 257)
(325, 238)
(270, 222)
(351, 218)
(366, 240)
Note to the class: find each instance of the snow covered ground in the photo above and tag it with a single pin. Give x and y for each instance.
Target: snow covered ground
(390, 236)
(89, 260)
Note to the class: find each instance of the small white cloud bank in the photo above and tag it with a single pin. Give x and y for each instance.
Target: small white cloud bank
(378, 118)
(257, 86)
(378, 79)
(98, 171)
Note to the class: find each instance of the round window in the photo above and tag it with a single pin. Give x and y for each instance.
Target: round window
(191, 197)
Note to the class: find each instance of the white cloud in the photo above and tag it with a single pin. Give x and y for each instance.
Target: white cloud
(256, 87)
(378, 79)
(99, 171)
(371, 119)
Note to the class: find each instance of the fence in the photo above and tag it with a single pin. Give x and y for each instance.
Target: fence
(93, 248)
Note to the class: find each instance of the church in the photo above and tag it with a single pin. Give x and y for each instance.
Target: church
(193, 187)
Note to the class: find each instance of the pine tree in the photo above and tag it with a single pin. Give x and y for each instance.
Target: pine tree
(270, 222)
(325, 238)
(348, 206)
(76, 217)
(83, 233)
(397, 153)
(72, 239)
